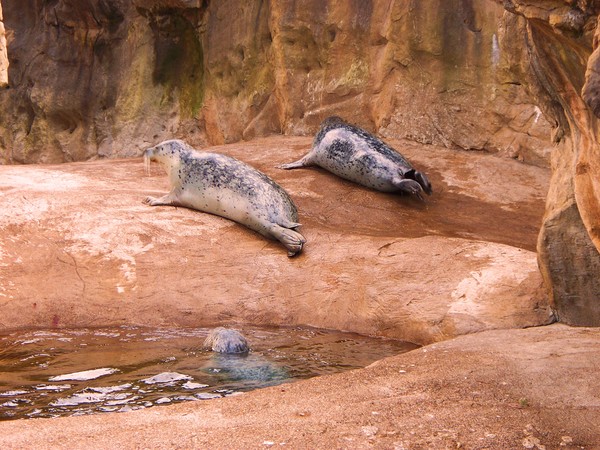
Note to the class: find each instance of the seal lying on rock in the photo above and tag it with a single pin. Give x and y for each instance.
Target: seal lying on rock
(224, 186)
(356, 155)
(226, 340)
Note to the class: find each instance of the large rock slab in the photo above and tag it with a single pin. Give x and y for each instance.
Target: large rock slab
(78, 248)
(534, 388)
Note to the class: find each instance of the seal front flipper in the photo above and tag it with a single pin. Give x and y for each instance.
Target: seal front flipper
(292, 240)
(169, 200)
(303, 162)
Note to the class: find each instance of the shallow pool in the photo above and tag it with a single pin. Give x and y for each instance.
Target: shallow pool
(48, 373)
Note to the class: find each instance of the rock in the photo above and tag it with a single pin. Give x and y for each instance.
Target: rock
(374, 263)
(3, 55)
(569, 241)
(591, 89)
(106, 81)
(125, 75)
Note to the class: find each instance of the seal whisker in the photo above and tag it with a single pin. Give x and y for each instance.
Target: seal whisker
(147, 164)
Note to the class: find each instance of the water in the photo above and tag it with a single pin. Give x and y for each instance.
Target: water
(83, 371)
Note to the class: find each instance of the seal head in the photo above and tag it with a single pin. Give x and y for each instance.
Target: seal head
(226, 340)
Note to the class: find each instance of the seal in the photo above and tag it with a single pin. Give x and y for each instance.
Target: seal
(226, 340)
(233, 362)
(356, 155)
(227, 187)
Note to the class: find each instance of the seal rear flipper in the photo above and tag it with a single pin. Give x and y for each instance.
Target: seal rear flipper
(292, 240)
(420, 178)
(289, 224)
(409, 186)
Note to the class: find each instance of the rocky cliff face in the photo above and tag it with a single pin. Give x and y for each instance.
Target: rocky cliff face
(96, 78)
(3, 55)
(85, 81)
(564, 76)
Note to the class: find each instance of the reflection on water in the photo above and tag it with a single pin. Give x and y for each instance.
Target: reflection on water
(83, 371)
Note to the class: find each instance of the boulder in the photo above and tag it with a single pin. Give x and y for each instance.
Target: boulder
(562, 72)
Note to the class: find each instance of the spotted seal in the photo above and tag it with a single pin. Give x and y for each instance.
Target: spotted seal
(227, 187)
(226, 340)
(356, 155)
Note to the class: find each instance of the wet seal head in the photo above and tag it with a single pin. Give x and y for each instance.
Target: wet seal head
(356, 155)
(226, 340)
(224, 186)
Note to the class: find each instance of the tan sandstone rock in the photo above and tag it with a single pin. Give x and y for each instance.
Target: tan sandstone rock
(78, 248)
(563, 75)
(126, 74)
(3, 54)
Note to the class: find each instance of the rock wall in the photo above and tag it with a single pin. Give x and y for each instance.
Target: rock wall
(3, 55)
(564, 76)
(95, 78)
(85, 80)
